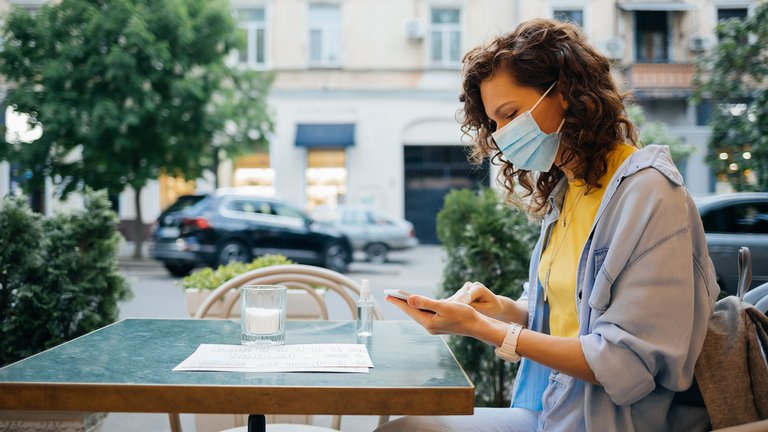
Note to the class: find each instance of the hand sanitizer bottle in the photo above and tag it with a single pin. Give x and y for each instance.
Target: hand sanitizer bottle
(365, 311)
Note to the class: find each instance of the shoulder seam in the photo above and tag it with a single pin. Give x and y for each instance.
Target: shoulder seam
(645, 253)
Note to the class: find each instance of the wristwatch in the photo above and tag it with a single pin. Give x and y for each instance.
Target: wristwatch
(508, 348)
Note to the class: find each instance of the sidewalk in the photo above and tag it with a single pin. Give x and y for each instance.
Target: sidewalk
(126, 256)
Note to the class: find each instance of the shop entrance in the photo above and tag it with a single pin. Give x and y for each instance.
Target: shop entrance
(430, 173)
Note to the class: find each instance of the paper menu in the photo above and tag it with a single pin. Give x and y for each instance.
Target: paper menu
(280, 358)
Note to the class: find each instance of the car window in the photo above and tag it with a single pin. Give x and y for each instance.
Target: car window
(287, 211)
(741, 218)
(184, 202)
(380, 219)
(249, 206)
(199, 206)
(354, 217)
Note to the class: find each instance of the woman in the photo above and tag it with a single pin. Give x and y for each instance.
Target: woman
(621, 286)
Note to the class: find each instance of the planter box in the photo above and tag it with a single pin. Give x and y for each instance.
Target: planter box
(50, 421)
(301, 305)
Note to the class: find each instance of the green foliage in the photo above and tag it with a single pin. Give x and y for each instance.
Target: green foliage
(238, 117)
(210, 279)
(733, 77)
(488, 242)
(128, 89)
(59, 276)
(658, 133)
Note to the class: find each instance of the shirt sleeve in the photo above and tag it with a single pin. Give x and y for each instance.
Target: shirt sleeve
(649, 315)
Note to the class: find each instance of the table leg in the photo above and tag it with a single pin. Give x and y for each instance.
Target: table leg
(257, 423)
(175, 422)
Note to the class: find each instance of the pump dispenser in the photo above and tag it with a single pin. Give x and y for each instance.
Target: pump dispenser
(365, 311)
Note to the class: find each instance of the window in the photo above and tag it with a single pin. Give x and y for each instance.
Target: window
(575, 16)
(744, 218)
(738, 13)
(651, 37)
(326, 177)
(253, 31)
(324, 35)
(354, 217)
(445, 49)
(249, 206)
(286, 211)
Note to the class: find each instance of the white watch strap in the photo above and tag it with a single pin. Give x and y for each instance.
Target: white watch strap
(508, 348)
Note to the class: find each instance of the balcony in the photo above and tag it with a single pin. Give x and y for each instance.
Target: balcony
(661, 79)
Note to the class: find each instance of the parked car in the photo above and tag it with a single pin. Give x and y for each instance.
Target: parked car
(730, 222)
(372, 232)
(228, 226)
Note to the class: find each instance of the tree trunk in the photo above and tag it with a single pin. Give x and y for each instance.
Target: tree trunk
(215, 167)
(138, 226)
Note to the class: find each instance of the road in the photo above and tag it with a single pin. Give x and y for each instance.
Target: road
(158, 295)
(419, 271)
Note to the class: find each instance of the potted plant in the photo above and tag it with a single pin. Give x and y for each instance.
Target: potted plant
(489, 241)
(198, 285)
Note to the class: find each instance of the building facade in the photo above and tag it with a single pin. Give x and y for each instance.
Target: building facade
(365, 100)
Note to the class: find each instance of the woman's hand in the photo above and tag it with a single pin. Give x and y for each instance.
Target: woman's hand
(440, 316)
(481, 299)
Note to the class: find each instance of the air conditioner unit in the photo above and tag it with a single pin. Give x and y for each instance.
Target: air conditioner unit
(698, 43)
(415, 29)
(614, 48)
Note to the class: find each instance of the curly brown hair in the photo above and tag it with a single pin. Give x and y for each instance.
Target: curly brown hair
(537, 54)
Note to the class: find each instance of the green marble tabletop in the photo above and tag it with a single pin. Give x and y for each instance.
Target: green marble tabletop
(127, 367)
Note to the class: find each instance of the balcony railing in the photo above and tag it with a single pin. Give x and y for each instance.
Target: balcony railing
(661, 77)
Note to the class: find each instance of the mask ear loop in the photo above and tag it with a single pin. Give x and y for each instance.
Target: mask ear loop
(561, 125)
(543, 96)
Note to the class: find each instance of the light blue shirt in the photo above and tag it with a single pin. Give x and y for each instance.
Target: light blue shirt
(644, 293)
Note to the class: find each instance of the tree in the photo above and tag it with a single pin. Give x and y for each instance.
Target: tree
(239, 120)
(658, 133)
(122, 88)
(732, 76)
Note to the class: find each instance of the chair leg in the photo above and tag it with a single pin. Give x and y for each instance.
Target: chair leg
(257, 423)
(175, 421)
(336, 422)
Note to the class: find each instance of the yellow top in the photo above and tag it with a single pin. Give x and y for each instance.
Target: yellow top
(560, 259)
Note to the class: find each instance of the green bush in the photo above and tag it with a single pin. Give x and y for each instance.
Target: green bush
(59, 276)
(489, 242)
(210, 279)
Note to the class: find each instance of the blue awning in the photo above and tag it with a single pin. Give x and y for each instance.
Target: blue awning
(661, 6)
(325, 135)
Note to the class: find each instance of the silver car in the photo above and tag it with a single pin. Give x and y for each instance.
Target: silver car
(370, 231)
(730, 222)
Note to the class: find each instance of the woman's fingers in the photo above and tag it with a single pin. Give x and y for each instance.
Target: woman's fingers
(461, 294)
(421, 302)
(476, 290)
(417, 314)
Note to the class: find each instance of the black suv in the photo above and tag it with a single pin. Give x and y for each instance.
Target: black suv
(224, 227)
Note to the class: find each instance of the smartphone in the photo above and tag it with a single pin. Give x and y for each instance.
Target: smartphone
(398, 293)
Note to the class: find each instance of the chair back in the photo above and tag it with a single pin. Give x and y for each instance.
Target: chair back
(292, 276)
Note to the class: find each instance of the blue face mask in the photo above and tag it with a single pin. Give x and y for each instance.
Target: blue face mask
(524, 145)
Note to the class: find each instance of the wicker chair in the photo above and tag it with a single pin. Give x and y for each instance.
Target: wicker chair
(293, 276)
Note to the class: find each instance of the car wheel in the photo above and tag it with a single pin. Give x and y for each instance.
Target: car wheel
(377, 253)
(177, 269)
(336, 257)
(232, 251)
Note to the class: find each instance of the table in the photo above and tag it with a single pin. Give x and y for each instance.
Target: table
(126, 367)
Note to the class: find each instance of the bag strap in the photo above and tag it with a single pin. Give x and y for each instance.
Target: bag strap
(745, 272)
